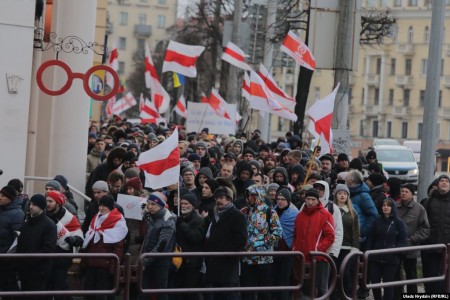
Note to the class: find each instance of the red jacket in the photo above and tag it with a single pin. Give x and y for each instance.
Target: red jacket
(313, 231)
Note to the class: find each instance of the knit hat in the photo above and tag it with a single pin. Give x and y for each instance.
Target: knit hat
(57, 196)
(342, 157)
(327, 156)
(187, 169)
(194, 157)
(442, 177)
(286, 193)
(101, 186)
(248, 151)
(371, 154)
(201, 144)
(213, 185)
(158, 198)
(39, 200)
(92, 135)
(341, 187)
(394, 184)
(128, 156)
(135, 183)
(377, 179)
(54, 184)
(224, 191)
(410, 187)
(191, 198)
(312, 193)
(230, 155)
(131, 173)
(16, 184)
(107, 201)
(272, 186)
(9, 191)
(205, 130)
(356, 164)
(152, 137)
(62, 180)
(264, 147)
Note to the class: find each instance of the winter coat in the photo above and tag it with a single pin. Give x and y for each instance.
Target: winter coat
(207, 204)
(364, 206)
(93, 160)
(37, 235)
(351, 229)
(387, 233)
(287, 221)
(262, 233)
(11, 219)
(415, 218)
(107, 263)
(313, 231)
(160, 237)
(190, 236)
(438, 212)
(227, 233)
(377, 195)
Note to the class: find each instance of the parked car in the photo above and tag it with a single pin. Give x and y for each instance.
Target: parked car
(385, 142)
(399, 161)
(415, 147)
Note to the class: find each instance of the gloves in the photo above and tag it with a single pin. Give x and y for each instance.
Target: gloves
(70, 240)
(74, 241)
(143, 206)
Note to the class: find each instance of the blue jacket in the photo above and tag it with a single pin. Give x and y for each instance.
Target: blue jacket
(387, 233)
(11, 219)
(364, 207)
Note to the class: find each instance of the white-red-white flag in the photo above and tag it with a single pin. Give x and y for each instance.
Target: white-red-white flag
(109, 106)
(238, 117)
(217, 103)
(235, 56)
(161, 164)
(149, 113)
(294, 47)
(181, 58)
(180, 108)
(246, 86)
(321, 116)
(261, 98)
(160, 97)
(203, 98)
(283, 98)
(123, 104)
(113, 63)
(141, 102)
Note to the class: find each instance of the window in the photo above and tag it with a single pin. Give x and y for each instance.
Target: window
(361, 128)
(377, 97)
(142, 19)
(122, 43)
(393, 61)
(162, 2)
(350, 95)
(143, 1)
(280, 124)
(375, 129)
(141, 43)
(412, 2)
(391, 97)
(389, 129)
(406, 94)
(121, 70)
(362, 96)
(378, 66)
(410, 35)
(419, 130)
(404, 130)
(442, 67)
(317, 93)
(421, 98)
(423, 66)
(408, 66)
(438, 131)
(123, 18)
(161, 22)
(397, 3)
(426, 35)
(440, 99)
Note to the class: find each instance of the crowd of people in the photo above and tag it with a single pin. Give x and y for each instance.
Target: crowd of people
(235, 194)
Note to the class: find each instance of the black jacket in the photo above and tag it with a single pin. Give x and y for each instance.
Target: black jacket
(377, 195)
(438, 211)
(190, 236)
(11, 219)
(228, 234)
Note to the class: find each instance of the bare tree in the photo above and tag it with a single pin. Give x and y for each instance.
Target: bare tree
(375, 25)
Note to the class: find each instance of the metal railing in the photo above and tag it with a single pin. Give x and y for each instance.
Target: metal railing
(72, 188)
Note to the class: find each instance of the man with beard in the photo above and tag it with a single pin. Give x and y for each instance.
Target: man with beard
(190, 236)
(270, 162)
(327, 173)
(227, 170)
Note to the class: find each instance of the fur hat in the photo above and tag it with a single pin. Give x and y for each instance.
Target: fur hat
(224, 191)
(158, 198)
(341, 187)
(9, 191)
(53, 184)
(101, 186)
(190, 197)
(107, 201)
(39, 201)
(312, 193)
(57, 196)
(135, 183)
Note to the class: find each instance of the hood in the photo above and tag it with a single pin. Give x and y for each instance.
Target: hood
(394, 208)
(240, 143)
(326, 195)
(242, 166)
(205, 171)
(261, 191)
(16, 203)
(282, 171)
(118, 152)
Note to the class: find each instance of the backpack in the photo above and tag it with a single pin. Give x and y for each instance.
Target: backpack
(330, 207)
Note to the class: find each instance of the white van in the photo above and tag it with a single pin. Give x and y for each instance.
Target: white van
(415, 147)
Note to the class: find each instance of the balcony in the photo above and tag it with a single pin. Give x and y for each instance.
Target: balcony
(373, 79)
(446, 113)
(143, 30)
(405, 49)
(400, 111)
(447, 81)
(371, 111)
(403, 80)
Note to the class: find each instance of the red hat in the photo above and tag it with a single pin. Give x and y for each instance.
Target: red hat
(135, 183)
(57, 196)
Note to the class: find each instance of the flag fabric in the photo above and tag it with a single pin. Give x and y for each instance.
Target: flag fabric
(294, 47)
(141, 102)
(160, 97)
(111, 228)
(235, 56)
(321, 116)
(283, 98)
(149, 110)
(203, 98)
(217, 103)
(181, 58)
(178, 80)
(161, 164)
(238, 117)
(246, 86)
(124, 103)
(180, 108)
(113, 63)
(109, 106)
(261, 98)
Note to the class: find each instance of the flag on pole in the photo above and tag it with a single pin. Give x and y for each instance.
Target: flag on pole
(238, 117)
(180, 108)
(160, 97)
(283, 98)
(246, 86)
(113, 63)
(261, 98)
(178, 80)
(203, 98)
(149, 110)
(109, 106)
(181, 58)
(294, 47)
(161, 164)
(217, 103)
(321, 116)
(141, 102)
(235, 56)
(123, 104)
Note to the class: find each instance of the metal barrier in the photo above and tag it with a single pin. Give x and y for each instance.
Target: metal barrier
(342, 269)
(140, 272)
(66, 292)
(332, 284)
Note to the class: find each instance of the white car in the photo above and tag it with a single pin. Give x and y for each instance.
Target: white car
(398, 161)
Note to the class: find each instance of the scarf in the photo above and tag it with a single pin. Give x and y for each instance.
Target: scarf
(112, 227)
